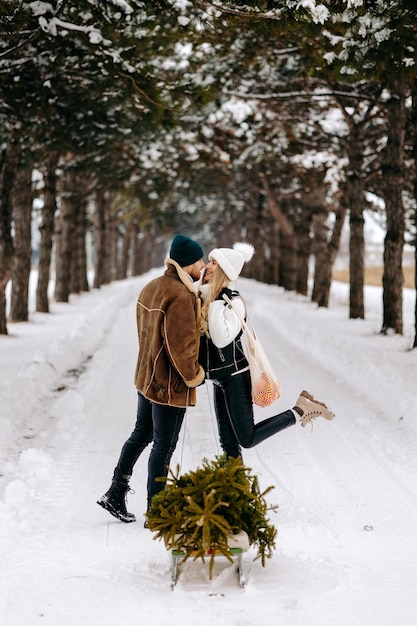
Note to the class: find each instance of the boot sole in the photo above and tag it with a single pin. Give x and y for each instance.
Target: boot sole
(110, 509)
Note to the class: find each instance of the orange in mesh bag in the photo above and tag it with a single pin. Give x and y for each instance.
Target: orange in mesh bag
(265, 385)
(266, 391)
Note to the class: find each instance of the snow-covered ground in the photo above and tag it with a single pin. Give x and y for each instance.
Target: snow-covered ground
(346, 551)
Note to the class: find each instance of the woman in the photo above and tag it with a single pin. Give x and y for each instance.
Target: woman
(223, 359)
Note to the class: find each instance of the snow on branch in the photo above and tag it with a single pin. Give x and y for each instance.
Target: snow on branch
(54, 24)
(297, 94)
(243, 11)
(318, 12)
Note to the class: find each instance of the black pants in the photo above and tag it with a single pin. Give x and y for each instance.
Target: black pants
(160, 424)
(234, 412)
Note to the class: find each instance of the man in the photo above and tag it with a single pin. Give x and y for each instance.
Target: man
(167, 371)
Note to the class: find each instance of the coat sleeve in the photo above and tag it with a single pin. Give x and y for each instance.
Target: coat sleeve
(181, 339)
(223, 323)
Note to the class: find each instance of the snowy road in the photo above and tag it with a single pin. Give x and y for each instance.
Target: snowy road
(347, 490)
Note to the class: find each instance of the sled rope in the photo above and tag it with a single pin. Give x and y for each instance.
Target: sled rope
(184, 428)
(212, 414)
(213, 425)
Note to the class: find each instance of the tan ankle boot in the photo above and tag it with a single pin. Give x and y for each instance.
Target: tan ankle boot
(308, 408)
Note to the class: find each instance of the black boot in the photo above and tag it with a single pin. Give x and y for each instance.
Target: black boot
(114, 500)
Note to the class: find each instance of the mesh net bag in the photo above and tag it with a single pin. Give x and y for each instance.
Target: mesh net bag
(265, 385)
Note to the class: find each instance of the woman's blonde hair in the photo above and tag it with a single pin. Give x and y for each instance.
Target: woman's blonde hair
(220, 280)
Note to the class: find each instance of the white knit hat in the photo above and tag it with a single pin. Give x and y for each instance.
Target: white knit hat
(232, 260)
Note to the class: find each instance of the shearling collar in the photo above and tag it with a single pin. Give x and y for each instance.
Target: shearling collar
(183, 276)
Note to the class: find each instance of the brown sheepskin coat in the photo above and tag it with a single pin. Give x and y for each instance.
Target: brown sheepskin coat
(168, 323)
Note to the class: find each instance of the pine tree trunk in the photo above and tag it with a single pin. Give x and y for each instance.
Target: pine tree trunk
(355, 196)
(142, 244)
(9, 164)
(257, 268)
(413, 122)
(111, 251)
(136, 250)
(313, 217)
(287, 270)
(331, 252)
(147, 251)
(100, 238)
(320, 248)
(277, 211)
(123, 259)
(392, 186)
(82, 248)
(47, 232)
(65, 240)
(279, 258)
(303, 240)
(78, 280)
(273, 260)
(356, 265)
(156, 247)
(252, 223)
(288, 265)
(22, 217)
(415, 272)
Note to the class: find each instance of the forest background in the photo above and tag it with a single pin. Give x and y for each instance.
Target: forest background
(280, 123)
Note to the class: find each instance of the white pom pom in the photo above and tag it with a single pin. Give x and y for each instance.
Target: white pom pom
(246, 249)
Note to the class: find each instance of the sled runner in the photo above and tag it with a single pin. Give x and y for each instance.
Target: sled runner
(237, 545)
(235, 553)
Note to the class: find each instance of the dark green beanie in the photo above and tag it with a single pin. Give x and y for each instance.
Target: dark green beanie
(185, 251)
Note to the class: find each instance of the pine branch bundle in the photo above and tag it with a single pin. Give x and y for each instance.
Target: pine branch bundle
(198, 511)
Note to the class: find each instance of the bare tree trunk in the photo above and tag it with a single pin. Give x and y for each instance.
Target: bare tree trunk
(393, 182)
(8, 170)
(22, 217)
(47, 232)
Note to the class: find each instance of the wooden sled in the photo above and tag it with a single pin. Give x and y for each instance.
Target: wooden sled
(238, 544)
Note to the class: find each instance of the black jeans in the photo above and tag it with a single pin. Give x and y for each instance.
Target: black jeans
(158, 423)
(234, 412)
